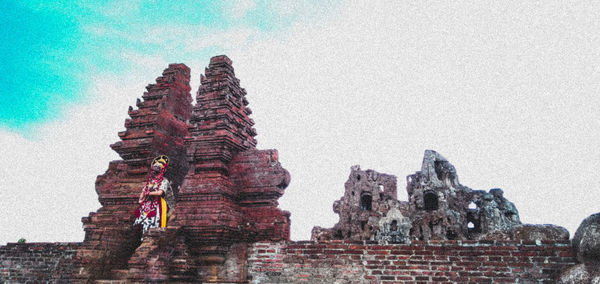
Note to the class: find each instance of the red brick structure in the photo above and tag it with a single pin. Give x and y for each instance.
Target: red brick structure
(157, 126)
(227, 227)
(37, 262)
(229, 196)
(226, 190)
(420, 262)
(326, 262)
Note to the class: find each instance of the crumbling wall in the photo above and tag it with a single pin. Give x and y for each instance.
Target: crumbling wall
(363, 210)
(37, 262)
(444, 209)
(439, 207)
(419, 262)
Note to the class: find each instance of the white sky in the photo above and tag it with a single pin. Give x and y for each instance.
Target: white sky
(507, 92)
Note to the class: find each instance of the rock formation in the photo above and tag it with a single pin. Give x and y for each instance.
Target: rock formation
(226, 190)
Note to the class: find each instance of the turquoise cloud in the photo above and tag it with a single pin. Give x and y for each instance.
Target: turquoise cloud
(50, 48)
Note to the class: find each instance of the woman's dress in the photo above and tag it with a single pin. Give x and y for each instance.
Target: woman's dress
(152, 213)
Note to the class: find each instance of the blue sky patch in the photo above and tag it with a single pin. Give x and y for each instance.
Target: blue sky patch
(37, 58)
(50, 49)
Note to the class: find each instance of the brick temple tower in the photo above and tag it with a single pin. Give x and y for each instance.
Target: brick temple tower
(226, 190)
(158, 125)
(230, 193)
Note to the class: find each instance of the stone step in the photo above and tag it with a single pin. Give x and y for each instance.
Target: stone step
(119, 273)
(111, 282)
(224, 282)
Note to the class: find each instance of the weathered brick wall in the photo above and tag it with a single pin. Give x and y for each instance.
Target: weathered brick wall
(36, 262)
(420, 262)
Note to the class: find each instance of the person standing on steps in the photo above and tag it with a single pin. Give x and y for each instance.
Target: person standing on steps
(155, 199)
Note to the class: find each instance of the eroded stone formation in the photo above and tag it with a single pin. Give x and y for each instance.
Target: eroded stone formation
(438, 208)
(226, 190)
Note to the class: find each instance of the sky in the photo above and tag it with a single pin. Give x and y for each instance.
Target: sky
(506, 91)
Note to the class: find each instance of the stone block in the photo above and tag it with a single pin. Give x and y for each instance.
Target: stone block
(534, 232)
(586, 240)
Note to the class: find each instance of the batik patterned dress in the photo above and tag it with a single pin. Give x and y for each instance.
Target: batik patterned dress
(152, 213)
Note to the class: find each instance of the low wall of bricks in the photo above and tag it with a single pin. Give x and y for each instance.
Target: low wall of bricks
(419, 262)
(36, 262)
(341, 262)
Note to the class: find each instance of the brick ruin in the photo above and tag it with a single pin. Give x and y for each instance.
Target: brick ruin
(438, 208)
(227, 227)
(226, 190)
